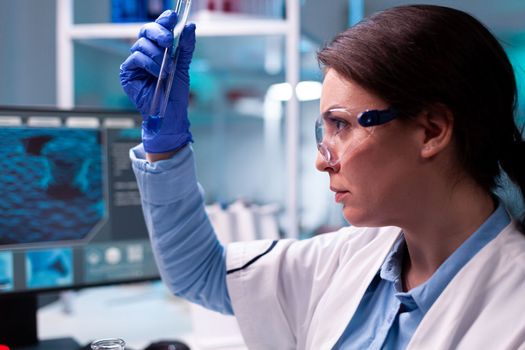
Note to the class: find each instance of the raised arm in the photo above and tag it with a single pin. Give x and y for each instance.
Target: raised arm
(190, 258)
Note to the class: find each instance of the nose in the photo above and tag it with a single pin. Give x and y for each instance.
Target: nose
(322, 164)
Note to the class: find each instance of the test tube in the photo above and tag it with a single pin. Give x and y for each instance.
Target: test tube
(167, 70)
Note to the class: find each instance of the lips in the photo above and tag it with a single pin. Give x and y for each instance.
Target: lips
(339, 194)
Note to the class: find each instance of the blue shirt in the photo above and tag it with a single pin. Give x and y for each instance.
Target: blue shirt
(193, 262)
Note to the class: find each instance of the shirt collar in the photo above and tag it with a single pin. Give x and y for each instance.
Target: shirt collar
(392, 266)
(425, 294)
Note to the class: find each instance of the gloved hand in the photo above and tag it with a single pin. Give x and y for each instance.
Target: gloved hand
(138, 77)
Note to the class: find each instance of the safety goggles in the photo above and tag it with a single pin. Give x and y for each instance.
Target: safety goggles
(337, 131)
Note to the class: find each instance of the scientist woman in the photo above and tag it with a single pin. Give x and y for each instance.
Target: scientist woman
(417, 123)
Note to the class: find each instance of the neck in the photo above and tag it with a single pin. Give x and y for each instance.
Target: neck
(436, 232)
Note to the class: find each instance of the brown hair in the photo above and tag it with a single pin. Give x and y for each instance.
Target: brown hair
(419, 55)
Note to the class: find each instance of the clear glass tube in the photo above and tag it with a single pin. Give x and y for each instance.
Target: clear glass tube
(167, 69)
(108, 344)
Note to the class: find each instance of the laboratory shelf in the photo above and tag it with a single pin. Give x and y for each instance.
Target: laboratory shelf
(223, 27)
(208, 24)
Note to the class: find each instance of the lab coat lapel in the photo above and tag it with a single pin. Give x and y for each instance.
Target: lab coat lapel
(482, 307)
(342, 298)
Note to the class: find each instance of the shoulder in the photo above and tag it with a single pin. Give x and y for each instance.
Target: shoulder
(326, 248)
(290, 277)
(500, 262)
(352, 236)
(351, 239)
(509, 248)
(481, 300)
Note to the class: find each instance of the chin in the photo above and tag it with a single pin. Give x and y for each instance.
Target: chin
(359, 217)
(355, 217)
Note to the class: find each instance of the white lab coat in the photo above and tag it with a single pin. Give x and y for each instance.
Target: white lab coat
(302, 294)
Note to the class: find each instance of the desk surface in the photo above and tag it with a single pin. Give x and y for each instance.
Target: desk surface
(139, 314)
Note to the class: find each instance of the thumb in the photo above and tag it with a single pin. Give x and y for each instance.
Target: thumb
(186, 46)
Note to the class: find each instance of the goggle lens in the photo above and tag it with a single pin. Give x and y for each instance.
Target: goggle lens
(338, 131)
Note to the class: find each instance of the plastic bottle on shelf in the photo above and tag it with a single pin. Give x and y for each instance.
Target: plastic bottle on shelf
(153, 8)
(126, 11)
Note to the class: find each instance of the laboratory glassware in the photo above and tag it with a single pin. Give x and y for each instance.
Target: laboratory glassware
(167, 70)
(108, 344)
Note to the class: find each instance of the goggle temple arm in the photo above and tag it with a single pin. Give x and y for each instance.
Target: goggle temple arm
(376, 117)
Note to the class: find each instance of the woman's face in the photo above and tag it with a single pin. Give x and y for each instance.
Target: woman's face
(376, 180)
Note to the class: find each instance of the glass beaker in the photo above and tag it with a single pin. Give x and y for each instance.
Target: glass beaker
(108, 344)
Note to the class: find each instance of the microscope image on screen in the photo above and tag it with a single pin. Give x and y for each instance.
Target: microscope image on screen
(6, 271)
(52, 184)
(49, 268)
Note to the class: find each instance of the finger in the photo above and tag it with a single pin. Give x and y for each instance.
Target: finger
(156, 33)
(138, 63)
(167, 19)
(149, 49)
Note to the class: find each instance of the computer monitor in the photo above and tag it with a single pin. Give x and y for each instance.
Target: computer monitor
(70, 213)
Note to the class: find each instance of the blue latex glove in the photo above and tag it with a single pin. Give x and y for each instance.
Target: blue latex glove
(138, 77)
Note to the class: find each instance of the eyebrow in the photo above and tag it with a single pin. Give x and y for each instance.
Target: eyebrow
(336, 106)
(329, 111)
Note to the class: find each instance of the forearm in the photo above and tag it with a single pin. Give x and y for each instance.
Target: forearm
(190, 258)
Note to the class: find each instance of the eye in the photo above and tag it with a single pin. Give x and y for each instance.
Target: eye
(337, 124)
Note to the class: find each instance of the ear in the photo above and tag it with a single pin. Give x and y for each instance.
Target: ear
(437, 124)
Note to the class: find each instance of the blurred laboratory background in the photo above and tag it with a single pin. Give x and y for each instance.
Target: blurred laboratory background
(255, 88)
(252, 147)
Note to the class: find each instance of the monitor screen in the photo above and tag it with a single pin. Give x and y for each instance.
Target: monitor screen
(70, 213)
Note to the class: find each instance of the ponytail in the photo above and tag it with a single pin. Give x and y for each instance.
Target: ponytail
(512, 162)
